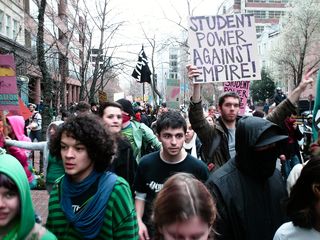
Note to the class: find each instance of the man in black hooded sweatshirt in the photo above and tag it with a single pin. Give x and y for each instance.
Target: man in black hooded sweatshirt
(249, 189)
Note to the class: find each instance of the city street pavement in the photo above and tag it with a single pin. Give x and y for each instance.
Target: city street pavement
(40, 198)
(40, 201)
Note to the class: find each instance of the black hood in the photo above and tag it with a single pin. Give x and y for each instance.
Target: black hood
(248, 132)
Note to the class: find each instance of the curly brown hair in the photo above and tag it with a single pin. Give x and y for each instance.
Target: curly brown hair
(89, 130)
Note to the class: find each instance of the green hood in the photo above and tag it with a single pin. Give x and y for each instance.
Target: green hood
(12, 168)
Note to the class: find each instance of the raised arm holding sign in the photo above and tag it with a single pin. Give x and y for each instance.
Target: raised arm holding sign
(218, 140)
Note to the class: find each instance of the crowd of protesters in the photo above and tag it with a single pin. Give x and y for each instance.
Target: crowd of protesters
(119, 170)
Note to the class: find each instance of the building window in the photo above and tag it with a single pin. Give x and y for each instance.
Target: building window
(173, 76)
(8, 26)
(259, 29)
(1, 20)
(275, 14)
(34, 10)
(173, 64)
(15, 29)
(96, 51)
(257, 1)
(258, 14)
(224, 10)
(174, 69)
(173, 56)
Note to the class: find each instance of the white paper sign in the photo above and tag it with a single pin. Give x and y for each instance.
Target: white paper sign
(224, 47)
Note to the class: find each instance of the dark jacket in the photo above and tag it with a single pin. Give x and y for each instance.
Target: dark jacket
(208, 133)
(249, 207)
(124, 163)
(279, 97)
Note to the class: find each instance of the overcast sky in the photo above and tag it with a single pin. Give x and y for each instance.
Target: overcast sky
(156, 17)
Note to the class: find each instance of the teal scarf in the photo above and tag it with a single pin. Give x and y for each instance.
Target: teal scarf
(89, 220)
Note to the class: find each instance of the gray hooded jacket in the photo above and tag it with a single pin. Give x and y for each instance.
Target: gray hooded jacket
(42, 146)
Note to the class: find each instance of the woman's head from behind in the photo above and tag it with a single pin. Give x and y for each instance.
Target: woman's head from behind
(183, 209)
(52, 128)
(303, 206)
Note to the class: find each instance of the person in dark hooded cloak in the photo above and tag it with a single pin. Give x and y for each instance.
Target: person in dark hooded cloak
(249, 189)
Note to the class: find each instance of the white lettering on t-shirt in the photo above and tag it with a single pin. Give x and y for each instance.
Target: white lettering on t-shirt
(155, 186)
(75, 208)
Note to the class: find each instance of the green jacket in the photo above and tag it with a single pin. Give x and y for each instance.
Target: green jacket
(207, 133)
(54, 170)
(26, 228)
(143, 136)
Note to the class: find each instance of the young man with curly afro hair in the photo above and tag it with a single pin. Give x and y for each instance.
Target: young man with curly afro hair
(89, 202)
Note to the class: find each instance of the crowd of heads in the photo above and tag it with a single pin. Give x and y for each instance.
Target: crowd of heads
(184, 203)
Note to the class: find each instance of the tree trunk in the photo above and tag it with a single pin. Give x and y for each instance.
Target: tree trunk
(47, 84)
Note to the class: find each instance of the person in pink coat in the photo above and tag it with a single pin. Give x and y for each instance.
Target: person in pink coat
(15, 129)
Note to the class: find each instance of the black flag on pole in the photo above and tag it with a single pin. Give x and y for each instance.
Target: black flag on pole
(142, 72)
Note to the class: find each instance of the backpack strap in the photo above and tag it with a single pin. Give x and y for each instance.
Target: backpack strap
(34, 115)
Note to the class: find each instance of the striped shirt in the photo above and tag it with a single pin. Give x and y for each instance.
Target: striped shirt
(120, 218)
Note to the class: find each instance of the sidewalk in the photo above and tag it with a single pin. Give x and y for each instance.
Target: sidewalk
(40, 198)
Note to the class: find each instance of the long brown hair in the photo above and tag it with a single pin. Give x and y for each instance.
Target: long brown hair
(302, 200)
(182, 198)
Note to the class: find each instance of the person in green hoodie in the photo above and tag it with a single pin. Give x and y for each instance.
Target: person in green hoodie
(16, 209)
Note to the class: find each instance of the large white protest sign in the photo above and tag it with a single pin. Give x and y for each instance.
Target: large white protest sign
(224, 47)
